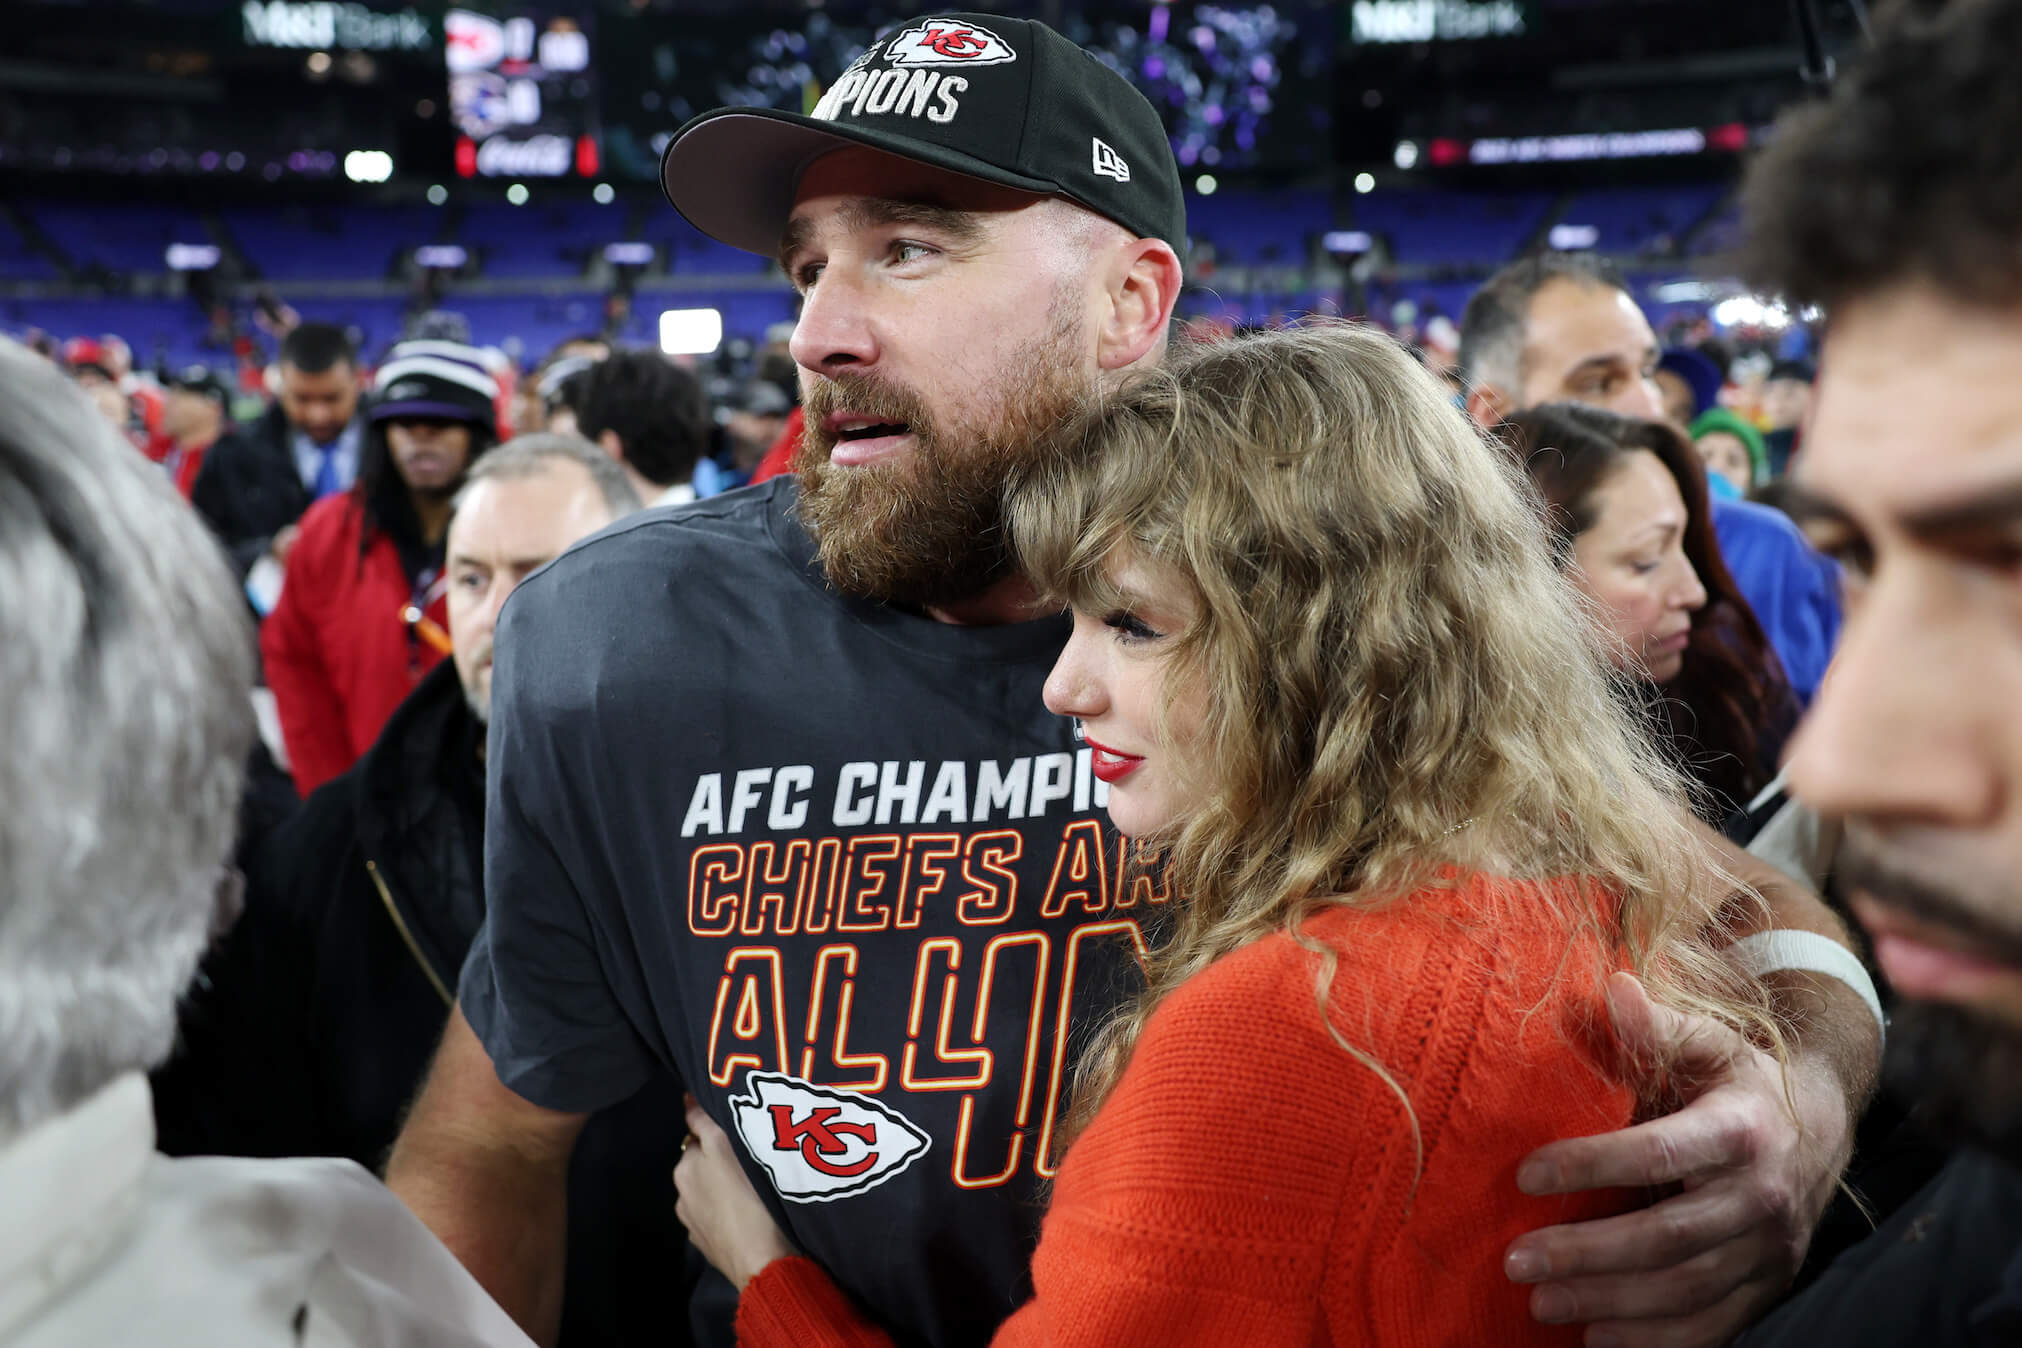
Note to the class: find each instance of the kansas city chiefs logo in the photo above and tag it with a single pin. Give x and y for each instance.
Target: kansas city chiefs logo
(942, 42)
(818, 1143)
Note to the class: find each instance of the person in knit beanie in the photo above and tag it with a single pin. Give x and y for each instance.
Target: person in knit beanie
(1734, 450)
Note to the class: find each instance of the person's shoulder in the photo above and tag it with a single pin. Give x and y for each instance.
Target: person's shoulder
(1758, 524)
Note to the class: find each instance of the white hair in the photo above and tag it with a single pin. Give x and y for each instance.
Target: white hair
(126, 664)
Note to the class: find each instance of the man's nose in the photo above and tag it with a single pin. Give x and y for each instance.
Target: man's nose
(835, 328)
(1904, 728)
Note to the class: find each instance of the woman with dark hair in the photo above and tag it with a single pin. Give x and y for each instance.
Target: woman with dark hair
(361, 615)
(1630, 523)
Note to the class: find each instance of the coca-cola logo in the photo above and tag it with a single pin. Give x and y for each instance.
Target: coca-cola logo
(534, 157)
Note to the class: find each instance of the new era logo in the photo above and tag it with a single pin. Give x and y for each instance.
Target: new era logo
(938, 42)
(1109, 164)
(820, 1144)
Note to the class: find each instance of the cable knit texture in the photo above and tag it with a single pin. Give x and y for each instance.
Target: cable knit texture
(1250, 1182)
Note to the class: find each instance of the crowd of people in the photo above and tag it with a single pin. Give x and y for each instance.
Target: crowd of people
(1063, 828)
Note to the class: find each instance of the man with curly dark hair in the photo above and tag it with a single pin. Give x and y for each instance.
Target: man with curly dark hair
(1896, 206)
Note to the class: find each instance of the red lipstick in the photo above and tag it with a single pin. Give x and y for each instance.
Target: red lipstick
(1110, 766)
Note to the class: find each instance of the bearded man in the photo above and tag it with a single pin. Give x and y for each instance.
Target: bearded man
(774, 804)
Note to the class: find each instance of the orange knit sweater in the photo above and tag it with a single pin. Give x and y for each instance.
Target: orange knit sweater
(1249, 1182)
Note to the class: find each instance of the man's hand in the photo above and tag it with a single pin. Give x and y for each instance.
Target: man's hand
(1699, 1266)
(724, 1215)
(284, 542)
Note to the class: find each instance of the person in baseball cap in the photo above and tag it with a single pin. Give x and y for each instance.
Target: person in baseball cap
(1006, 101)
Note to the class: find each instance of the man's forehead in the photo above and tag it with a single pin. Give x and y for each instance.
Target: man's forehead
(1575, 320)
(862, 178)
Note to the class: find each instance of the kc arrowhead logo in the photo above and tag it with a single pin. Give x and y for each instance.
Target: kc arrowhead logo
(818, 1143)
(941, 42)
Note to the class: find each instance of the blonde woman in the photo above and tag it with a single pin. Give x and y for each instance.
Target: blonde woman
(1321, 653)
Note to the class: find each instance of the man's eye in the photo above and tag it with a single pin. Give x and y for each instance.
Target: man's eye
(806, 275)
(907, 251)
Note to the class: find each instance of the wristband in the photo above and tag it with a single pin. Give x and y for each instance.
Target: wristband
(1809, 952)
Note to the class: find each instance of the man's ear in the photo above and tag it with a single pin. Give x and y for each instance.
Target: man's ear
(608, 441)
(1143, 288)
(1486, 404)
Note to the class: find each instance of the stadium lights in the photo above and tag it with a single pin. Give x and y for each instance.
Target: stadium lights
(1347, 242)
(1571, 238)
(1206, 184)
(1406, 156)
(368, 166)
(603, 194)
(192, 256)
(1749, 311)
(443, 256)
(517, 194)
(691, 332)
(629, 254)
(437, 194)
(1365, 183)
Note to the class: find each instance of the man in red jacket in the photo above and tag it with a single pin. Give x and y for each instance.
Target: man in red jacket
(361, 616)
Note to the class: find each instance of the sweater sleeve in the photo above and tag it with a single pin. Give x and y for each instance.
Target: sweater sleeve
(311, 709)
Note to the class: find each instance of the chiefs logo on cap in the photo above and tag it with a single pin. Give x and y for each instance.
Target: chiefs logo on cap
(818, 1143)
(943, 42)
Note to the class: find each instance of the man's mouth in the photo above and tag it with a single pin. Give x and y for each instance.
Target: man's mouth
(860, 439)
(1930, 962)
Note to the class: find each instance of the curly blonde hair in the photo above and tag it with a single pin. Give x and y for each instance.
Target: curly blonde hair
(1399, 688)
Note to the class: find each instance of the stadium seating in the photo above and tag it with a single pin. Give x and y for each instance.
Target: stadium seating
(1438, 225)
(19, 263)
(536, 241)
(1641, 220)
(120, 238)
(295, 243)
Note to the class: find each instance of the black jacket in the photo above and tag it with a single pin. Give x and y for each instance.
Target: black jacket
(313, 1023)
(1944, 1272)
(249, 488)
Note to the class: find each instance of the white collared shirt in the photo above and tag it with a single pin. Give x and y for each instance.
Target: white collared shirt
(104, 1241)
(309, 456)
(681, 493)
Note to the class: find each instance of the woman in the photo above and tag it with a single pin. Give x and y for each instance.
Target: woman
(1321, 654)
(361, 615)
(1627, 510)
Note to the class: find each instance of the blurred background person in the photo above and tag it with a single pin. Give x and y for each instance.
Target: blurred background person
(258, 480)
(1688, 383)
(1632, 525)
(1559, 327)
(114, 842)
(194, 415)
(651, 416)
(338, 978)
(1732, 450)
(1786, 402)
(361, 615)
(749, 420)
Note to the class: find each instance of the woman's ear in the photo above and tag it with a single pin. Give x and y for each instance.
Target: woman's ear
(1143, 287)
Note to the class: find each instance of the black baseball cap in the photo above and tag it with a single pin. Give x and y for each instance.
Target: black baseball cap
(200, 379)
(1005, 100)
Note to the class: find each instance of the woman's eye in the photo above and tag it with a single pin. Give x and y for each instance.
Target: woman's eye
(1131, 627)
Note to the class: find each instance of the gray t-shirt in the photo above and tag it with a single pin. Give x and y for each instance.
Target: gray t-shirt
(831, 864)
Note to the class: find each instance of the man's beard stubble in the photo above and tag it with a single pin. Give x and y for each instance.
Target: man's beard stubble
(1958, 1069)
(929, 530)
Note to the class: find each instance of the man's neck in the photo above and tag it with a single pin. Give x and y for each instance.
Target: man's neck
(1010, 600)
(432, 511)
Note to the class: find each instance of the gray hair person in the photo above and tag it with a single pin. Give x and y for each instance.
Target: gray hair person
(126, 665)
(527, 455)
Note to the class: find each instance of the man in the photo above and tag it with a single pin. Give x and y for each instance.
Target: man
(651, 416)
(748, 421)
(1559, 327)
(1881, 206)
(1786, 403)
(193, 416)
(256, 482)
(359, 911)
(116, 826)
(774, 804)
